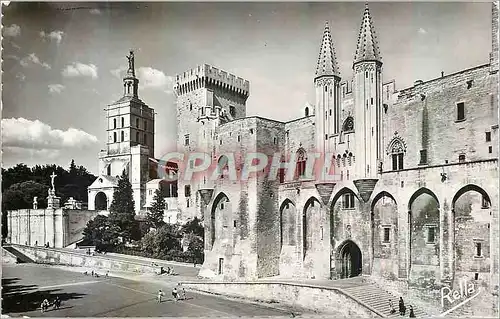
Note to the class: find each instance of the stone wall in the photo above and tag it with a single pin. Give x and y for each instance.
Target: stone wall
(58, 257)
(57, 227)
(320, 299)
(439, 131)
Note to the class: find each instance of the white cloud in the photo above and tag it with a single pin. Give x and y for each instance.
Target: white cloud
(12, 56)
(12, 31)
(80, 69)
(35, 135)
(152, 78)
(56, 88)
(95, 11)
(422, 31)
(119, 72)
(52, 36)
(32, 58)
(26, 153)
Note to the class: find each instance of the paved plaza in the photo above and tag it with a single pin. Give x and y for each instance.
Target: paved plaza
(24, 286)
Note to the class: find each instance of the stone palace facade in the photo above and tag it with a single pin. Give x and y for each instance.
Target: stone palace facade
(417, 193)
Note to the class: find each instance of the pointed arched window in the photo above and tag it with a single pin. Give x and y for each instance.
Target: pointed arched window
(301, 163)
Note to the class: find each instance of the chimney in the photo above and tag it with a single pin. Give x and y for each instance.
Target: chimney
(442, 73)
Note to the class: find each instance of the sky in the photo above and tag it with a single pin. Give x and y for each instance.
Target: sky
(63, 62)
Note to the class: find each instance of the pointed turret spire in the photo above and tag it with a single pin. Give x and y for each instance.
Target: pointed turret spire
(367, 48)
(327, 62)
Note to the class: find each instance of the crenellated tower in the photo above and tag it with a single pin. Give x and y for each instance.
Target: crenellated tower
(206, 98)
(367, 88)
(327, 85)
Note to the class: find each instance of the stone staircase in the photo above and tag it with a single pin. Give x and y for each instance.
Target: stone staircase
(378, 299)
(21, 258)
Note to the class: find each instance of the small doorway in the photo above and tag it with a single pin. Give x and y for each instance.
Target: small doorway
(221, 266)
(349, 260)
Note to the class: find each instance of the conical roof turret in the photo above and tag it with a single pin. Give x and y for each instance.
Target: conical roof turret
(327, 61)
(367, 48)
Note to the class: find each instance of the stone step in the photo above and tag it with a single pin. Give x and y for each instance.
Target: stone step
(378, 299)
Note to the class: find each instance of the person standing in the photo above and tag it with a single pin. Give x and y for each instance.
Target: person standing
(412, 314)
(57, 303)
(160, 294)
(402, 308)
(391, 306)
(175, 293)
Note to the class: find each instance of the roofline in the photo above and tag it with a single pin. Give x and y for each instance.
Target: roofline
(448, 75)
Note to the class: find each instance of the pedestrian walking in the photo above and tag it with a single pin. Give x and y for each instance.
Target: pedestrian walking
(107, 273)
(160, 294)
(402, 308)
(57, 303)
(412, 314)
(92, 273)
(391, 306)
(175, 293)
(183, 293)
(45, 305)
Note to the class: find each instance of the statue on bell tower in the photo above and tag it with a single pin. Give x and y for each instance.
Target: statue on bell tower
(130, 82)
(131, 68)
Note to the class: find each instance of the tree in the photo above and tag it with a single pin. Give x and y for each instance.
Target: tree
(195, 248)
(155, 213)
(72, 168)
(195, 227)
(20, 195)
(122, 209)
(100, 233)
(162, 242)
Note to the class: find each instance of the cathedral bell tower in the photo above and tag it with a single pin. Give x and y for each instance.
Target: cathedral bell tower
(367, 88)
(327, 85)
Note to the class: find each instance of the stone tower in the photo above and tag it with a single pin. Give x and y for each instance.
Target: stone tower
(367, 88)
(327, 85)
(206, 98)
(494, 37)
(130, 139)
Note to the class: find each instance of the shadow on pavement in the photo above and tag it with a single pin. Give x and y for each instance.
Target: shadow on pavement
(25, 298)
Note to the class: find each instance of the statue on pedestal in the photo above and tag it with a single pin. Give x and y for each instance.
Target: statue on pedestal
(35, 202)
(53, 176)
(130, 58)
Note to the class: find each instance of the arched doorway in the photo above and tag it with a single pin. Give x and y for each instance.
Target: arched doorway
(349, 260)
(101, 201)
(220, 219)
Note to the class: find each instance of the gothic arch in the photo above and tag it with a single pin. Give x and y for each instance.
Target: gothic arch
(307, 233)
(396, 145)
(424, 245)
(348, 259)
(384, 234)
(468, 188)
(288, 214)
(419, 192)
(341, 192)
(217, 206)
(471, 211)
(379, 196)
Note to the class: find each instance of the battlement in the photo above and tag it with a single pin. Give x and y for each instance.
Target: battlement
(207, 74)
